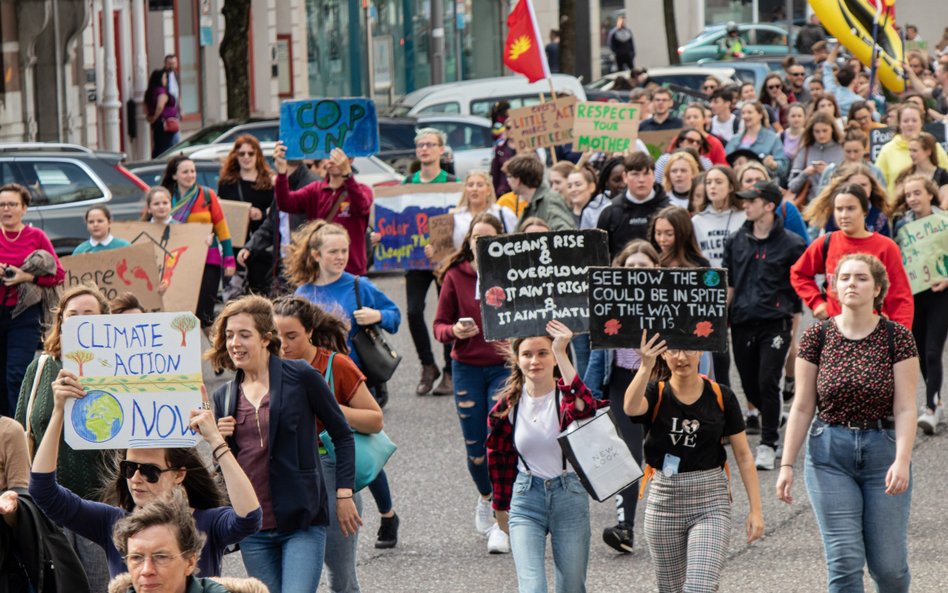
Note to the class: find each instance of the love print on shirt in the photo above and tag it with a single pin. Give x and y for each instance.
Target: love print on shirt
(683, 432)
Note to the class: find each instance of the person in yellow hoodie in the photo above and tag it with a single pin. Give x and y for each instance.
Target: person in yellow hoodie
(894, 156)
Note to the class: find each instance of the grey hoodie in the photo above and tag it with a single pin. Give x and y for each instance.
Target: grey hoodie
(712, 228)
(829, 153)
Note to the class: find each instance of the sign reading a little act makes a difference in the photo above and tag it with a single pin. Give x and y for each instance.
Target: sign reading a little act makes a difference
(605, 127)
(142, 377)
(538, 126)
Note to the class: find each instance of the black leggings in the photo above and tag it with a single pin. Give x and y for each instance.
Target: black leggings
(930, 328)
(207, 298)
(417, 284)
(633, 434)
(721, 361)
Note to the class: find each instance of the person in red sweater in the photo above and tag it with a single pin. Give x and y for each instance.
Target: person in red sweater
(850, 206)
(21, 303)
(478, 368)
(338, 198)
(698, 116)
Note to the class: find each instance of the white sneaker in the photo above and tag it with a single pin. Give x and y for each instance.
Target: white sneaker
(483, 516)
(928, 420)
(497, 540)
(766, 457)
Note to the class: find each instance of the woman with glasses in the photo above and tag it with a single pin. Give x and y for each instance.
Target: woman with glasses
(698, 116)
(710, 85)
(690, 138)
(142, 476)
(246, 177)
(777, 97)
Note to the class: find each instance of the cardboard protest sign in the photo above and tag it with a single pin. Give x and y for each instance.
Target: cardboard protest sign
(687, 306)
(127, 269)
(878, 137)
(441, 236)
(142, 376)
(238, 220)
(924, 245)
(311, 128)
(526, 280)
(657, 142)
(605, 127)
(180, 251)
(402, 216)
(538, 126)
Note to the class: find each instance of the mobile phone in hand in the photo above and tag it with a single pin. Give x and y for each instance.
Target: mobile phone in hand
(466, 321)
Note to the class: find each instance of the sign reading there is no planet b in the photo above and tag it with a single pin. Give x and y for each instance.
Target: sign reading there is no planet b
(313, 127)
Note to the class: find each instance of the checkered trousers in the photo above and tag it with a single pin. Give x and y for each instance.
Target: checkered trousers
(688, 529)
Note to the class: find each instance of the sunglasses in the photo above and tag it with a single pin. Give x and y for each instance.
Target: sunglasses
(687, 140)
(796, 73)
(150, 471)
(246, 153)
(709, 87)
(773, 87)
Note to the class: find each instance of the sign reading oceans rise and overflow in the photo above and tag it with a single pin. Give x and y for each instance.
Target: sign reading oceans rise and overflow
(687, 306)
(526, 280)
(142, 376)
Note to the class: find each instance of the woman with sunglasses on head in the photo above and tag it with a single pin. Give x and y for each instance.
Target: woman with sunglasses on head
(687, 138)
(688, 513)
(776, 95)
(141, 476)
(246, 177)
(698, 116)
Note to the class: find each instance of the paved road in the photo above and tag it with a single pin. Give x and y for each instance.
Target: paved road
(439, 551)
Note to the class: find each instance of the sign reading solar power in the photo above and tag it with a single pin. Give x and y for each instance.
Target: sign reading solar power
(313, 127)
(687, 306)
(528, 279)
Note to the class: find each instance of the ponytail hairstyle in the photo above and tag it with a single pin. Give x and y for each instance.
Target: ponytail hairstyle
(876, 268)
(300, 265)
(464, 253)
(513, 386)
(326, 330)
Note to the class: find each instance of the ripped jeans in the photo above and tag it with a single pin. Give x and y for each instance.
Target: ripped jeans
(474, 391)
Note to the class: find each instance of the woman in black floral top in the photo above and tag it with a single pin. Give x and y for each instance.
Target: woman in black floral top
(858, 371)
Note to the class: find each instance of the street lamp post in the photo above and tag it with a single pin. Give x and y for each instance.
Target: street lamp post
(110, 97)
(140, 82)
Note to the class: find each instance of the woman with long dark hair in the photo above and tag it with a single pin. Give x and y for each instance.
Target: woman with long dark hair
(820, 147)
(671, 234)
(162, 112)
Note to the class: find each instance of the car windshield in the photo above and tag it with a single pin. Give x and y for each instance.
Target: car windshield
(203, 136)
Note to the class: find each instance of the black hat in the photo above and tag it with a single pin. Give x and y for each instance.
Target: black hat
(767, 190)
(743, 152)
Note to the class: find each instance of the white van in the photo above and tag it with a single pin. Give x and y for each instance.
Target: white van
(476, 97)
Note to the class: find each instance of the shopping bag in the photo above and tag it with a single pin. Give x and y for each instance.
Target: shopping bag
(599, 455)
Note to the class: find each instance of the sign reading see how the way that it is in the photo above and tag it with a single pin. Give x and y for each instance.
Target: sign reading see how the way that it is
(142, 376)
(687, 306)
(528, 279)
(313, 127)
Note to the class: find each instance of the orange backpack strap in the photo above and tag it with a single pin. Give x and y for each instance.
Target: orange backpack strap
(649, 471)
(658, 400)
(719, 395)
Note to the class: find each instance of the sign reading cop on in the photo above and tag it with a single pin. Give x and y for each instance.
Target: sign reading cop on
(313, 127)
(538, 126)
(605, 127)
(687, 306)
(142, 376)
(924, 246)
(526, 280)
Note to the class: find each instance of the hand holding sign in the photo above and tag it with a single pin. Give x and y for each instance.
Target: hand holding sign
(279, 157)
(338, 159)
(66, 386)
(650, 349)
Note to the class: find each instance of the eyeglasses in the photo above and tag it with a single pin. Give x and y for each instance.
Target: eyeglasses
(709, 87)
(150, 471)
(246, 153)
(773, 87)
(685, 352)
(426, 145)
(9, 205)
(689, 140)
(158, 559)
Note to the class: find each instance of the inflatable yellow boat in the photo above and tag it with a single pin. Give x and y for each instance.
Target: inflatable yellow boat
(850, 21)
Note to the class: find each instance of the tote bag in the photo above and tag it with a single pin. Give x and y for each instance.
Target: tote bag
(600, 457)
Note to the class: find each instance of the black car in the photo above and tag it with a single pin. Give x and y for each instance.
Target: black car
(65, 180)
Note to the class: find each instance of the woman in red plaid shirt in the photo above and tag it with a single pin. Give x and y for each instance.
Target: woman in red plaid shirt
(535, 490)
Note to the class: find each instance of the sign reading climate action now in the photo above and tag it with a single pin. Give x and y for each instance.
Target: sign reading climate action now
(526, 280)
(605, 127)
(687, 306)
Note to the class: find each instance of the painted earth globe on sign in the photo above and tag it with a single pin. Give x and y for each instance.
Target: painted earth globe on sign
(97, 417)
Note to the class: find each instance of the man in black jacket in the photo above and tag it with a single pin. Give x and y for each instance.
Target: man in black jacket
(628, 216)
(758, 257)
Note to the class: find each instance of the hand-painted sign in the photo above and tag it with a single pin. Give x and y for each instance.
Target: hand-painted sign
(605, 127)
(924, 245)
(546, 124)
(142, 376)
(525, 280)
(687, 306)
(402, 215)
(313, 127)
(127, 269)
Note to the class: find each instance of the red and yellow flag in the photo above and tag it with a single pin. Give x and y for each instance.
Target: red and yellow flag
(523, 51)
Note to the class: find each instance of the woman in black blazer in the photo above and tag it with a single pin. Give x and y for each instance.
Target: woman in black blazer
(268, 416)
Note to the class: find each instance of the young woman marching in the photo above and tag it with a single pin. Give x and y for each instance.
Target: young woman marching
(688, 515)
(535, 493)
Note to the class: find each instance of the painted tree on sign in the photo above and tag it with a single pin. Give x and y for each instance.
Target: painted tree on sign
(184, 324)
(80, 357)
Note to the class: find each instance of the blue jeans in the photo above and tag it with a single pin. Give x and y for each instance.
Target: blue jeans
(474, 390)
(19, 338)
(341, 550)
(560, 507)
(381, 492)
(581, 350)
(286, 562)
(860, 523)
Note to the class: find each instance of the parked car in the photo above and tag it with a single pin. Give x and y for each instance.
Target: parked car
(755, 69)
(65, 180)
(762, 40)
(469, 141)
(689, 77)
(476, 97)
(263, 129)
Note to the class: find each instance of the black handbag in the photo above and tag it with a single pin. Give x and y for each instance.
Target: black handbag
(379, 359)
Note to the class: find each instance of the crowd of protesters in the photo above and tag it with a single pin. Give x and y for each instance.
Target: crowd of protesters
(776, 188)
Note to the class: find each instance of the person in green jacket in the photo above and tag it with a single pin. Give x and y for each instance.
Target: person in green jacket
(99, 225)
(525, 175)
